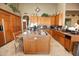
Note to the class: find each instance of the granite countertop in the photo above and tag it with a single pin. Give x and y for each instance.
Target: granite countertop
(38, 34)
(66, 33)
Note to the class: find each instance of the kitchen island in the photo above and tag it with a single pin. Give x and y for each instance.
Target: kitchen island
(36, 42)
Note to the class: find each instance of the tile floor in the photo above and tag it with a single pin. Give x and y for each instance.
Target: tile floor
(55, 50)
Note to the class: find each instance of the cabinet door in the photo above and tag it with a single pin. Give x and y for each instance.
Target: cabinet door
(47, 20)
(57, 19)
(33, 19)
(29, 46)
(32, 46)
(12, 25)
(42, 45)
(39, 20)
(53, 34)
(26, 44)
(18, 23)
(53, 20)
(67, 44)
(62, 41)
(7, 27)
(2, 42)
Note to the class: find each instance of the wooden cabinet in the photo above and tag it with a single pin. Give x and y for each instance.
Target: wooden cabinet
(18, 23)
(2, 41)
(60, 37)
(29, 46)
(67, 42)
(33, 19)
(46, 20)
(64, 40)
(40, 20)
(11, 22)
(43, 45)
(54, 34)
(57, 19)
(15, 24)
(6, 22)
(53, 20)
(36, 45)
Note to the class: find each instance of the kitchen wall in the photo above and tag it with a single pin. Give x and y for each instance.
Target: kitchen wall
(29, 8)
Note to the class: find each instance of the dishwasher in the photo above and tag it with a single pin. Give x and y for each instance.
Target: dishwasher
(76, 49)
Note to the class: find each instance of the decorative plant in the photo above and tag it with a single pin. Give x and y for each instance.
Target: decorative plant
(44, 15)
(12, 7)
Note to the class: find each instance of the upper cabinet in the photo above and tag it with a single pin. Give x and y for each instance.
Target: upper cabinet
(33, 19)
(57, 19)
(43, 20)
(53, 20)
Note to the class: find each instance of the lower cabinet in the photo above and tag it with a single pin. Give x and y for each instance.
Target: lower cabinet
(49, 31)
(58, 36)
(42, 45)
(39, 45)
(67, 42)
(64, 40)
(29, 46)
